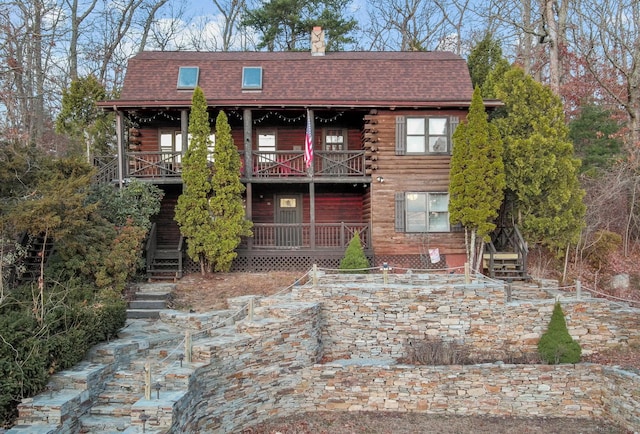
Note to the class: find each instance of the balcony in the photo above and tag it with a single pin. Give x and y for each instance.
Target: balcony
(166, 166)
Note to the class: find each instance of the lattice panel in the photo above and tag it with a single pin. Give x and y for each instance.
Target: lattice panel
(293, 261)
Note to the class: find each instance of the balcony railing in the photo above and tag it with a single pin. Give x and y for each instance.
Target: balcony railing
(268, 164)
(300, 236)
(263, 164)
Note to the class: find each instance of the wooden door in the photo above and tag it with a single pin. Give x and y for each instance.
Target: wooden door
(288, 219)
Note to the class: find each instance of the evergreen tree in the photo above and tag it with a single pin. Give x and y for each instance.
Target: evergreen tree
(226, 205)
(192, 210)
(89, 128)
(354, 258)
(556, 344)
(543, 194)
(595, 137)
(484, 58)
(477, 177)
(285, 25)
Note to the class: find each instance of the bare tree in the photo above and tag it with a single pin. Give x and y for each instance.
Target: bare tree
(610, 35)
(77, 18)
(405, 25)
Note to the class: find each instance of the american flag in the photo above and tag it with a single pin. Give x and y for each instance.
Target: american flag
(308, 143)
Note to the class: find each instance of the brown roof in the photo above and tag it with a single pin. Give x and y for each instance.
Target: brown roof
(339, 79)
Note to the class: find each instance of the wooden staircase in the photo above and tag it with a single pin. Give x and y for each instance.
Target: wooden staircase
(164, 249)
(38, 252)
(506, 256)
(164, 261)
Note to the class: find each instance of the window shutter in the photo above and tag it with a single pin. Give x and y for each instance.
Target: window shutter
(399, 224)
(454, 121)
(401, 135)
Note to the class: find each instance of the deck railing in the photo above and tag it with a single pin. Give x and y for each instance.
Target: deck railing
(107, 168)
(298, 236)
(291, 163)
(263, 164)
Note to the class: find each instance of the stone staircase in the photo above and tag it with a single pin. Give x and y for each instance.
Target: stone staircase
(149, 300)
(107, 393)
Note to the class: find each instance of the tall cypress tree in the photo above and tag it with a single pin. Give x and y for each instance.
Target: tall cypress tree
(227, 208)
(192, 211)
(477, 177)
(543, 191)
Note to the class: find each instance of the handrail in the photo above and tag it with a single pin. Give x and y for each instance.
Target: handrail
(150, 247)
(180, 255)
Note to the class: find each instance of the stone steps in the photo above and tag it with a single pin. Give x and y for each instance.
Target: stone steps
(149, 300)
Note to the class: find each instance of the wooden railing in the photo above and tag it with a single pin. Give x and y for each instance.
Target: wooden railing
(150, 247)
(107, 169)
(154, 164)
(263, 164)
(291, 163)
(318, 236)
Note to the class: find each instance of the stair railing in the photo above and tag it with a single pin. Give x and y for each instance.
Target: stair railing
(180, 255)
(522, 249)
(150, 248)
(491, 265)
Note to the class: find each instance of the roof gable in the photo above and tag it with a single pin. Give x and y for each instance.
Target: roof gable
(358, 79)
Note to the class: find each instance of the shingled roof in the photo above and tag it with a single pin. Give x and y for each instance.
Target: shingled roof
(298, 79)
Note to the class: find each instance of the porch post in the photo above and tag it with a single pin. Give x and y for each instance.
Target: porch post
(312, 215)
(248, 145)
(122, 153)
(248, 167)
(184, 129)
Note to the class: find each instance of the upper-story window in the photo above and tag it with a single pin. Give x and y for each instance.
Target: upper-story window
(335, 139)
(252, 77)
(171, 145)
(422, 212)
(188, 77)
(424, 135)
(267, 145)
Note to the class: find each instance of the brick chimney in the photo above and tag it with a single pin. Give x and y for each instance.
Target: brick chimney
(318, 45)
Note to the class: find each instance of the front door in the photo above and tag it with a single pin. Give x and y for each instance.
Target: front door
(288, 219)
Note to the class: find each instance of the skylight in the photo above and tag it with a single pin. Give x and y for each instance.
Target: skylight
(188, 77)
(252, 77)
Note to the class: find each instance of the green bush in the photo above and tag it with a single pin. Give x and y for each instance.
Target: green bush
(354, 258)
(556, 344)
(604, 243)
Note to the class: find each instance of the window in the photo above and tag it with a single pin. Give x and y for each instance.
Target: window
(335, 139)
(424, 135)
(252, 77)
(171, 145)
(422, 212)
(188, 77)
(267, 143)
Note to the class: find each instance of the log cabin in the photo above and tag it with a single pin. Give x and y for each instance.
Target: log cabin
(381, 125)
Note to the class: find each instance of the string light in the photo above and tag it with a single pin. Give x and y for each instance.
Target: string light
(136, 119)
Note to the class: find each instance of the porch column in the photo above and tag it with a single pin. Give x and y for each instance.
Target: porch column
(184, 129)
(248, 211)
(248, 166)
(248, 144)
(122, 152)
(312, 215)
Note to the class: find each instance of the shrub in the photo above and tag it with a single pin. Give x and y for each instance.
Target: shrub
(354, 258)
(604, 243)
(556, 344)
(434, 352)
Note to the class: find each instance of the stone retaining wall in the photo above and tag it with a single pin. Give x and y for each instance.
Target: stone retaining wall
(375, 320)
(268, 368)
